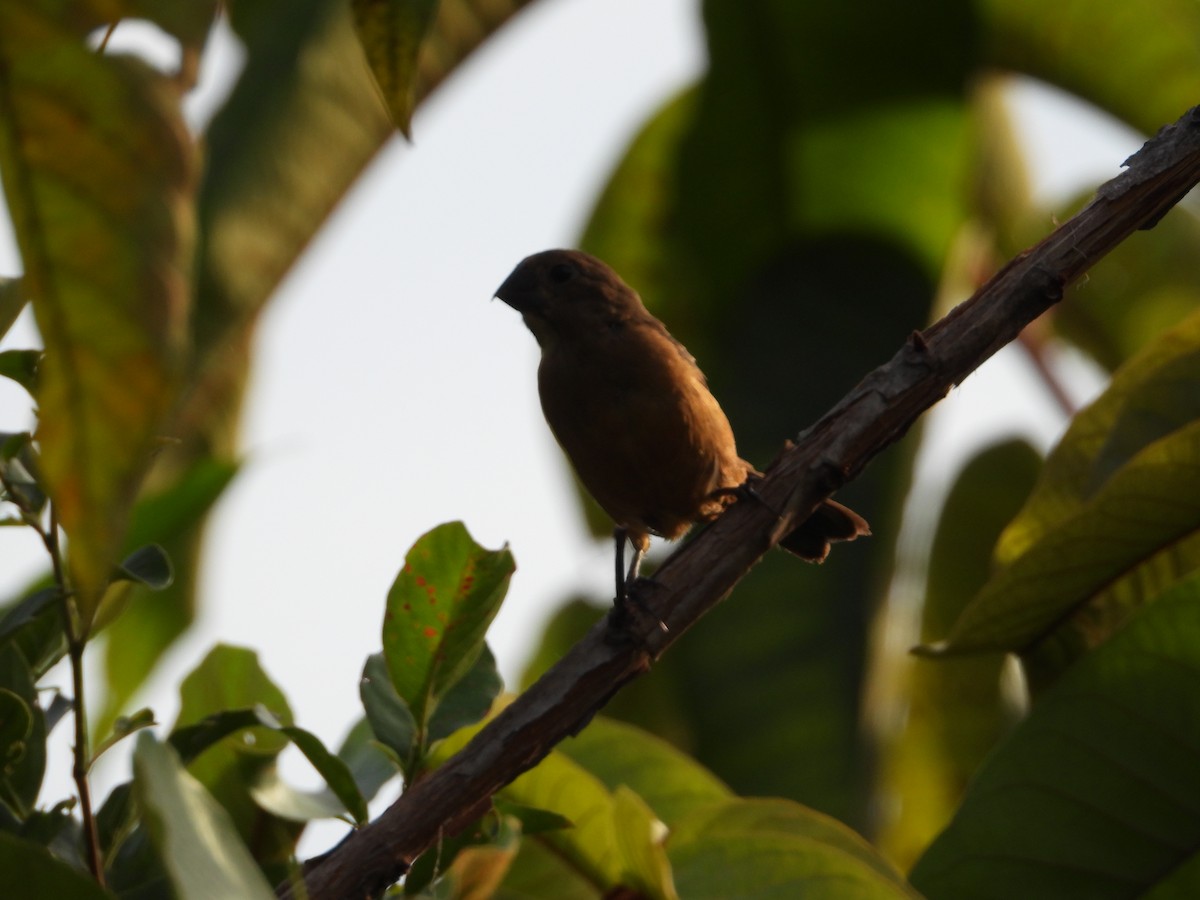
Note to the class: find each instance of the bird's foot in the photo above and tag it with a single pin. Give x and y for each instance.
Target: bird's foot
(631, 613)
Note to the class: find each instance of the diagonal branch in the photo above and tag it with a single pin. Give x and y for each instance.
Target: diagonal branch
(700, 574)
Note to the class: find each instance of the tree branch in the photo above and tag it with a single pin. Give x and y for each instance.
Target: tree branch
(701, 573)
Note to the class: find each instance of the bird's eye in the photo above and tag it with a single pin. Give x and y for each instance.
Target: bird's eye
(562, 272)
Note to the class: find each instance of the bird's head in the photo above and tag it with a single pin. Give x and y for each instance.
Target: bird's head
(562, 293)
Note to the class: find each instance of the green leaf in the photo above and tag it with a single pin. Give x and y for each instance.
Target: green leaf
(1114, 520)
(286, 801)
(533, 820)
(123, 727)
(16, 729)
(564, 787)
(953, 711)
(12, 301)
(148, 565)
(24, 762)
(1042, 40)
(459, 28)
(776, 849)
(34, 626)
(369, 764)
(19, 468)
(1146, 285)
(669, 780)
(334, 771)
(42, 875)
(301, 123)
(269, 790)
(144, 627)
(640, 837)
(191, 740)
(1151, 396)
(469, 864)
(391, 32)
(438, 611)
(97, 166)
(195, 837)
(29, 609)
(231, 679)
(469, 699)
(389, 716)
(22, 367)
(1088, 797)
(1134, 538)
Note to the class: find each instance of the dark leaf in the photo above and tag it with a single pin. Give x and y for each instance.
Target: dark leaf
(148, 565)
(22, 367)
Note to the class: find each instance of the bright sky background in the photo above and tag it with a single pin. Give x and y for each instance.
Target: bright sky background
(389, 395)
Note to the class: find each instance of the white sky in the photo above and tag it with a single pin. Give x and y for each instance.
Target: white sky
(389, 395)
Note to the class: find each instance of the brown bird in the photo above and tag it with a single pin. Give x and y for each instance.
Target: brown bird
(633, 411)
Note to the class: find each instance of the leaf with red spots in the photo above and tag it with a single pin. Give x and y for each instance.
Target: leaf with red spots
(438, 612)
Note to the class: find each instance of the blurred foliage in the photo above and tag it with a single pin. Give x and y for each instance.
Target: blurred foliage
(838, 177)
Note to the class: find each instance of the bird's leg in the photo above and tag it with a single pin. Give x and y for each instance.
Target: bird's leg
(619, 536)
(628, 603)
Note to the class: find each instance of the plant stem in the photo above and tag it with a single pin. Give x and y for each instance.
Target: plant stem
(76, 641)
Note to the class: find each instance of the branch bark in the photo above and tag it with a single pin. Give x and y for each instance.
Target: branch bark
(701, 573)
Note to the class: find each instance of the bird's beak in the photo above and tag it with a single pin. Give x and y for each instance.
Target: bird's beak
(518, 291)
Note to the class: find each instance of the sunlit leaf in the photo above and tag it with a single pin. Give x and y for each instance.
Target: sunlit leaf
(1089, 796)
(566, 788)
(98, 175)
(1151, 396)
(778, 849)
(1140, 523)
(1114, 520)
(468, 864)
(669, 780)
(438, 611)
(1072, 44)
(640, 837)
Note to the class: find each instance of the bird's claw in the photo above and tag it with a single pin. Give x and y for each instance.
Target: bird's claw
(631, 611)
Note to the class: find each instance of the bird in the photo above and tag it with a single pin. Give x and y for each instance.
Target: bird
(633, 412)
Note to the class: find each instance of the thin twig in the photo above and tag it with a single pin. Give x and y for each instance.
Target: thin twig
(1034, 346)
(76, 635)
(107, 34)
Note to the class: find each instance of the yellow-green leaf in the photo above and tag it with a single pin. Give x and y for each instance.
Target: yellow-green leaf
(98, 173)
(391, 32)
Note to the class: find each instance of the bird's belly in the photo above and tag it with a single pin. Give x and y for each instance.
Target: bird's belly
(651, 458)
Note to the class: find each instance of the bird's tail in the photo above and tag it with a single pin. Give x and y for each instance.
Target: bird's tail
(830, 522)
